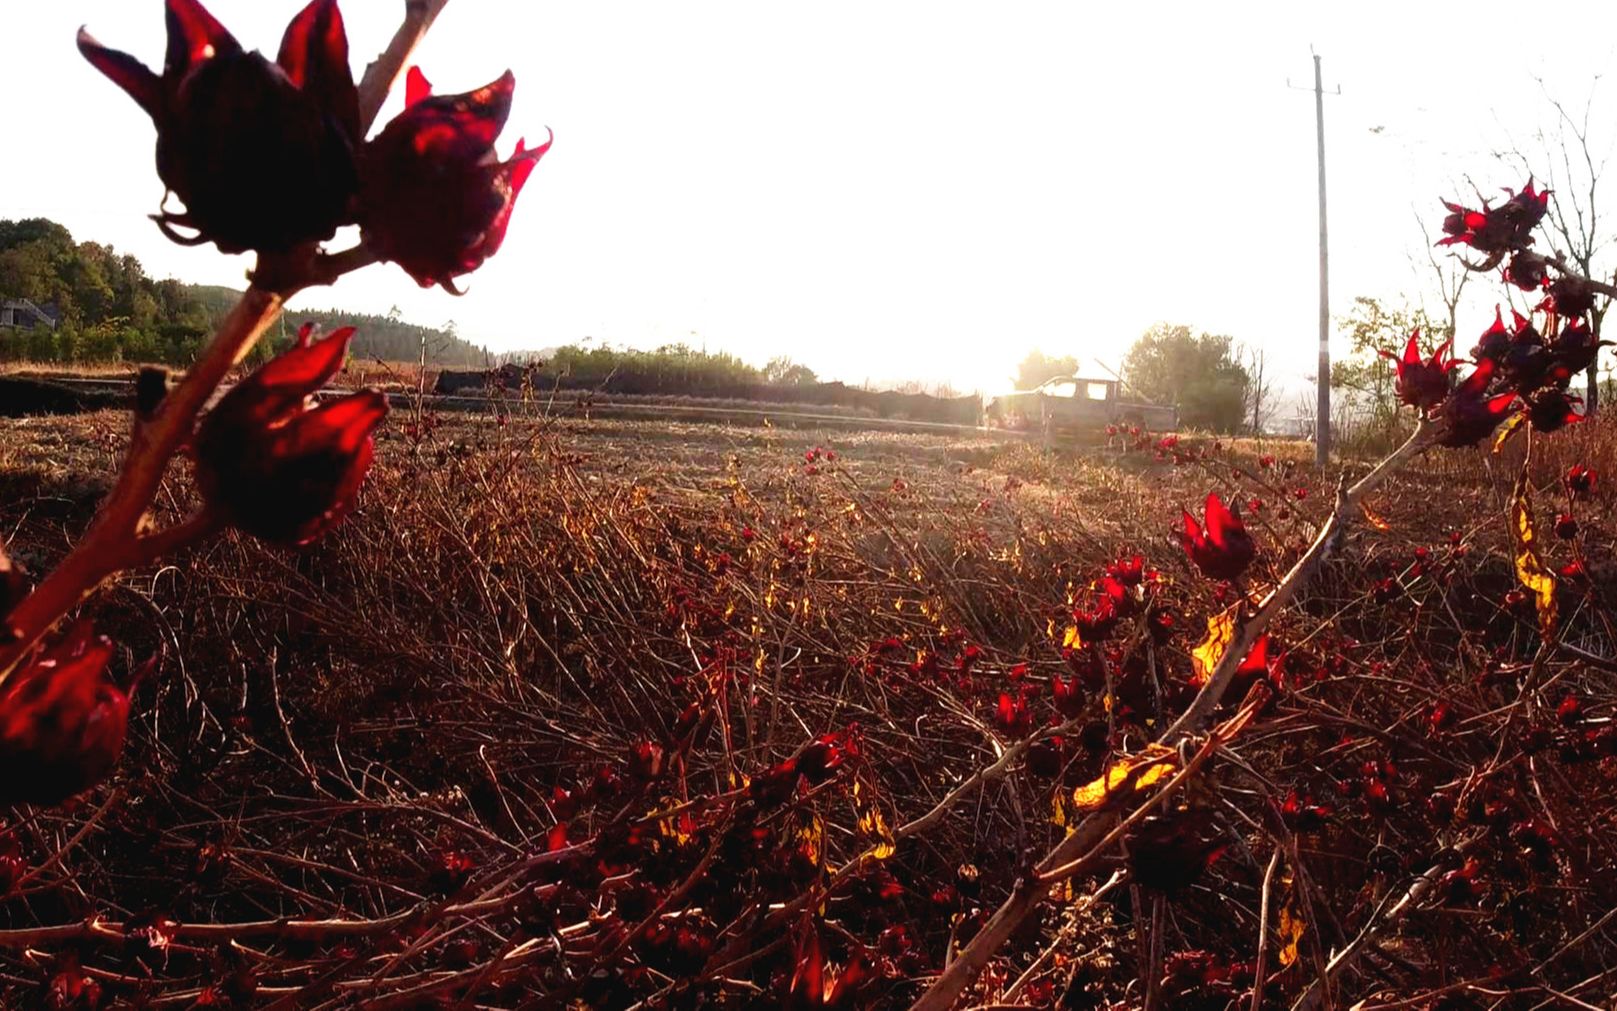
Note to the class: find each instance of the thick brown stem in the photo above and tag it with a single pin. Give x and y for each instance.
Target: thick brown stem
(115, 539)
(384, 70)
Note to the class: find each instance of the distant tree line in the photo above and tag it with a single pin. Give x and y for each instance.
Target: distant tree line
(108, 310)
(672, 368)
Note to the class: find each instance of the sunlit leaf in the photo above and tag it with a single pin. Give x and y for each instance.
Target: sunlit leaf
(1508, 429)
(1058, 808)
(1373, 518)
(1530, 568)
(1132, 773)
(1290, 928)
(1205, 657)
(872, 824)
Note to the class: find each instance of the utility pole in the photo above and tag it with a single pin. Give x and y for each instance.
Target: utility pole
(1322, 411)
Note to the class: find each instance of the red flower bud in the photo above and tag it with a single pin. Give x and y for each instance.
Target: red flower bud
(62, 721)
(1422, 385)
(1526, 270)
(1580, 481)
(1224, 549)
(277, 468)
(1497, 230)
(1569, 297)
(1550, 410)
(260, 153)
(1470, 414)
(435, 199)
(1573, 351)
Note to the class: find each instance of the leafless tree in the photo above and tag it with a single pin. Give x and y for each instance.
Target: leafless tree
(1449, 272)
(1571, 160)
(1256, 361)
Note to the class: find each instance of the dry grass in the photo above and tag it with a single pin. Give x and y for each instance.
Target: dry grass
(517, 606)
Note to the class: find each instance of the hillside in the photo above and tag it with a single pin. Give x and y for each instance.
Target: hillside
(387, 338)
(108, 309)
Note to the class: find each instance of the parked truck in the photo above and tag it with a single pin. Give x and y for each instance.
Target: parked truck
(1076, 407)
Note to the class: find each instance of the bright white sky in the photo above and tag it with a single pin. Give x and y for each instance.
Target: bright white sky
(888, 189)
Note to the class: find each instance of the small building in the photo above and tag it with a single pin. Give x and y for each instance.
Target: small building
(25, 315)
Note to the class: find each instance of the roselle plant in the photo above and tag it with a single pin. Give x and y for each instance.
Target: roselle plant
(700, 862)
(268, 157)
(1518, 380)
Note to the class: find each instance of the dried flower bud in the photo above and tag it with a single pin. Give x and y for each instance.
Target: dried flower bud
(276, 467)
(435, 199)
(1224, 549)
(62, 721)
(260, 153)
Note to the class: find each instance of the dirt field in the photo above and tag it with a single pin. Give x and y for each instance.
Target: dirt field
(503, 738)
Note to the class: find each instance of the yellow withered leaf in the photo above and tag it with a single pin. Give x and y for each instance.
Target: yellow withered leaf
(1375, 520)
(1508, 429)
(1290, 928)
(873, 825)
(1530, 569)
(1132, 772)
(1205, 657)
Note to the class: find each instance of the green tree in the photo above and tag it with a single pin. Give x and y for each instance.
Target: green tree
(1200, 375)
(1038, 367)
(1366, 378)
(782, 371)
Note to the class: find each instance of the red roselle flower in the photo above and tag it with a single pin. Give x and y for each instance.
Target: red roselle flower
(435, 198)
(62, 721)
(1495, 340)
(1497, 230)
(1549, 410)
(1526, 270)
(1129, 570)
(1470, 414)
(1573, 351)
(1580, 481)
(1569, 297)
(1224, 549)
(274, 467)
(260, 153)
(1012, 714)
(1423, 384)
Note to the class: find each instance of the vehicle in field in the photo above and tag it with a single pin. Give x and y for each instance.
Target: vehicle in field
(1075, 406)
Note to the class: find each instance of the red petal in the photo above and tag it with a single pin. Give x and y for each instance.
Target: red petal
(523, 161)
(1500, 404)
(314, 54)
(341, 425)
(1192, 533)
(306, 368)
(1257, 661)
(124, 70)
(1412, 349)
(416, 86)
(193, 36)
(1220, 520)
(1477, 381)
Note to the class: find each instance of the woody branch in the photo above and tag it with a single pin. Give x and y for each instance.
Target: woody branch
(119, 536)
